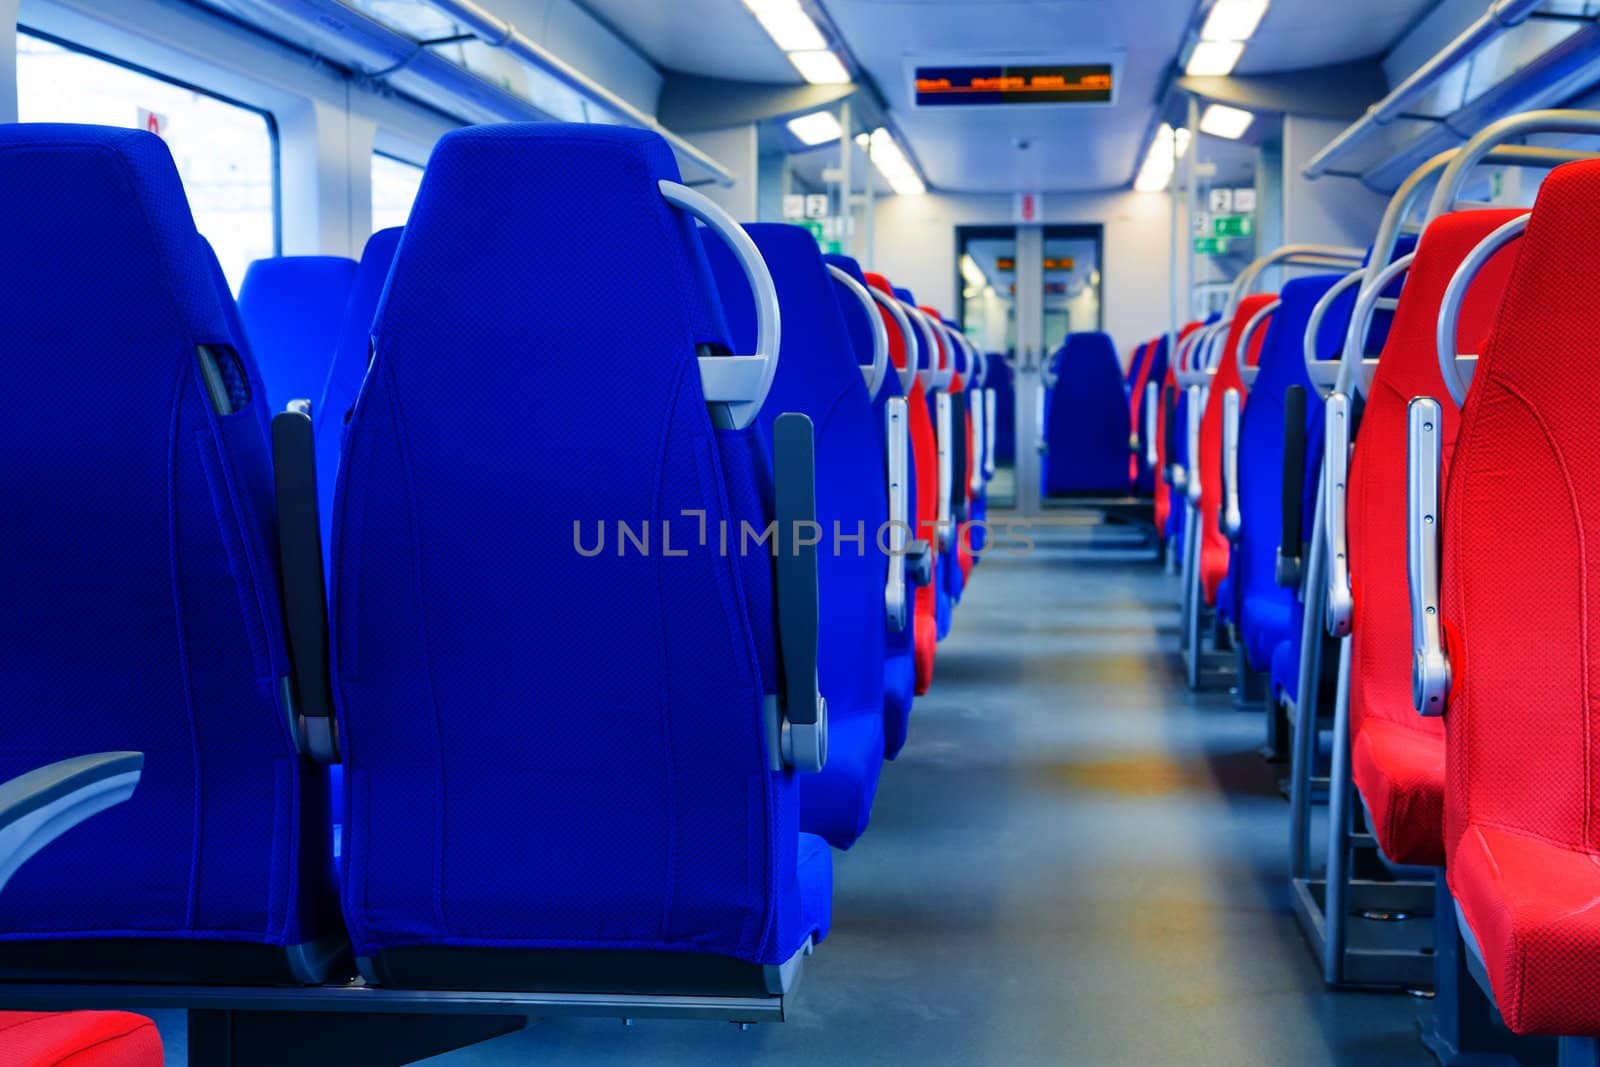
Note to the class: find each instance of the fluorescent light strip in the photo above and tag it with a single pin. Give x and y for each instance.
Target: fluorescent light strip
(819, 127)
(786, 22)
(1160, 161)
(1214, 59)
(893, 164)
(1227, 122)
(973, 273)
(1233, 20)
(820, 68)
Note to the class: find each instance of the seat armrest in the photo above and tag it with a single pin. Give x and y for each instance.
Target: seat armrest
(1292, 549)
(988, 433)
(1191, 475)
(40, 806)
(919, 563)
(802, 729)
(894, 591)
(944, 429)
(1152, 394)
(1430, 674)
(1230, 518)
(1336, 474)
(305, 606)
(975, 442)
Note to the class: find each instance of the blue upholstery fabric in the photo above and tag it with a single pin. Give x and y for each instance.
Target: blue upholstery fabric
(899, 664)
(1005, 411)
(1286, 659)
(1087, 419)
(818, 375)
(139, 574)
(547, 749)
(1265, 614)
(348, 369)
(292, 307)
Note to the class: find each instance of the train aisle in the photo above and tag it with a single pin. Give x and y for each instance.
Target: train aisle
(1074, 861)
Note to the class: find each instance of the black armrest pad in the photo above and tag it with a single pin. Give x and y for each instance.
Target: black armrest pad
(795, 506)
(1169, 415)
(1294, 479)
(305, 608)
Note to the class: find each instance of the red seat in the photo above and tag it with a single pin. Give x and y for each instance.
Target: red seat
(1521, 605)
(78, 1039)
(1214, 547)
(1163, 502)
(925, 457)
(1397, 756)
(1141, 359)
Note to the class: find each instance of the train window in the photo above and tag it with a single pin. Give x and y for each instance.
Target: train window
(226, 152)
(394, 187)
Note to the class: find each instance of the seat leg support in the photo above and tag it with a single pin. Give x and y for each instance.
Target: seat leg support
(221, 1038)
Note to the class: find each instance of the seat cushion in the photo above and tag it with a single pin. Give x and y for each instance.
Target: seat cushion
(1534, 909)
(1265, 626)
(815, 868)
(836, 802)
(1286, 669)
(1400, 771)
(78, 1039)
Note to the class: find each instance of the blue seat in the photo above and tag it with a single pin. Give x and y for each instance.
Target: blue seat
(292, 307)
(142, 588)
(558, 771)
(820, 377)
(348, 369)
(1087, 420)
(1265, 608)
(899, 663)
(1005, 411)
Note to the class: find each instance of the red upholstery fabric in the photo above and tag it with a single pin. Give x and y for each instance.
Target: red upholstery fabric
(925, 457)
(1136, 404)
(1521, 600)
(1399, 766)
(78, 1039)
(1214, 548)
(1169, 385)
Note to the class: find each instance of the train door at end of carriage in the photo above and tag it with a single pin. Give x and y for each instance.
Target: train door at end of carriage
(1024, 289)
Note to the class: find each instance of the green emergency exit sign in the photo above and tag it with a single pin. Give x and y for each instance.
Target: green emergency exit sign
(1232, 226)
(1210, 246)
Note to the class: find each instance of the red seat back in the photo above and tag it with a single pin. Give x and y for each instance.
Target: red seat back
(1214, 548)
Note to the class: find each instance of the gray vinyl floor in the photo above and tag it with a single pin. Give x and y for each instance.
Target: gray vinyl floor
(1075, 861)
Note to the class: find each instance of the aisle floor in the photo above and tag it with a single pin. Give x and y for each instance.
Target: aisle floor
(1074, 861)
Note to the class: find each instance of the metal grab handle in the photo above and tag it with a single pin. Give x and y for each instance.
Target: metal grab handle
(1230, 520)
(907, 373)
(947, 356)
(988, 433)
(41, 805)
(1430, 668)
(1354, 369)
(1307, 255)
(1196, 400)
(1041, 442)
(879, 370)
(1152, 401)
(1047, 371)
(1336, 474)
(1493, 136)
(943, 421)
(736, 385)
(894, 592)
(1455, 296)
(928, 373)
(981, 375)
(1242, 354)
(975, 441)
(1315, 367)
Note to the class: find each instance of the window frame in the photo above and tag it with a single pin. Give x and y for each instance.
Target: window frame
(268, 117)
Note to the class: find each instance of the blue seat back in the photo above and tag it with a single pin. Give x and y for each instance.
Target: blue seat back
(548, 749)
(292, 308)
(141, 591)
(899, 645)
(1087, 419)
(1005, 410)
(352, 354)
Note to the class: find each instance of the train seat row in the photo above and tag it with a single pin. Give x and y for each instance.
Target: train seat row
(1364, 494)
(763, 456)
